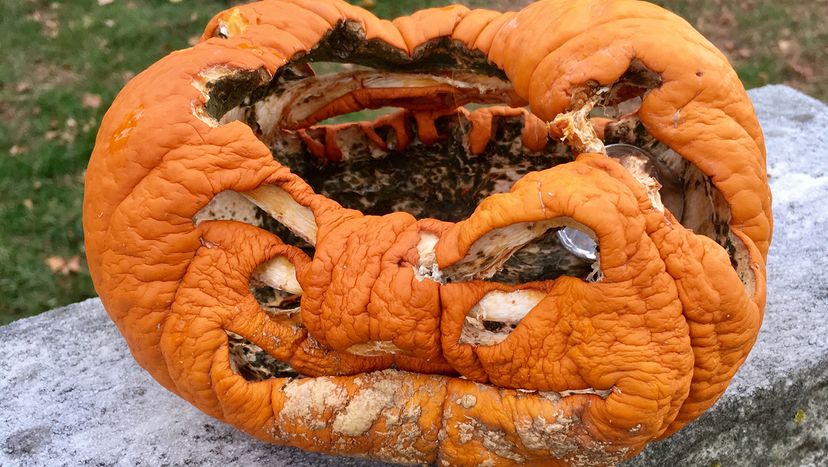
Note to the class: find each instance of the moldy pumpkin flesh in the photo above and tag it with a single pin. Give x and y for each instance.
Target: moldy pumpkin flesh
(558, 275)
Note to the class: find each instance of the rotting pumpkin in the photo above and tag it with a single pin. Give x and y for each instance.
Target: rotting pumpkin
(421, 288)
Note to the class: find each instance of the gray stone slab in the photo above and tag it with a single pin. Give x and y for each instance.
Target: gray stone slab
(72, 395)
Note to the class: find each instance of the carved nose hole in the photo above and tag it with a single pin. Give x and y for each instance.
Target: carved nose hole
(578, 243)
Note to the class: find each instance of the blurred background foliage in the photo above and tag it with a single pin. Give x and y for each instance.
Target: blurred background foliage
(64, 62)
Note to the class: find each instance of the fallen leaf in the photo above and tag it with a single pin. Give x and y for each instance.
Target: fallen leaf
(16, 150)
(105, 2)
(28, 204)
(52, 28)
(127, 75)
(726, 17)
(63, 266)
(785, 46)
(806, 71)
(23, 86)
(91, 101)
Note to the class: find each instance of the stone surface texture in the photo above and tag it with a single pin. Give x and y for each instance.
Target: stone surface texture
(72, 394)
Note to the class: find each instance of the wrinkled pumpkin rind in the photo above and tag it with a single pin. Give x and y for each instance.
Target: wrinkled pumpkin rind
(146, 181)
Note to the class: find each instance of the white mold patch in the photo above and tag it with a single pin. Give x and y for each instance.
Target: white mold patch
(497, 314)
(499, 443)
(466, 431)
(309, 399)
(467, 401)
(539, 434)
(365, 408)
(404, 449)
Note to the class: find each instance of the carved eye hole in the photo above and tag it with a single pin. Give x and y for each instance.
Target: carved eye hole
(275, 287)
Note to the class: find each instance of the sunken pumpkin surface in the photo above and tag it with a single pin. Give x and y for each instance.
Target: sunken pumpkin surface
(315, 309)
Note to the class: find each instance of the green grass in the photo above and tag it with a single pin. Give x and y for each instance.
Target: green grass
(55, 54)
(60, 54)
(767, 41)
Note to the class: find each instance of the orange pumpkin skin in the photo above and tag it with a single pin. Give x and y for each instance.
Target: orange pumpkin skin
(589, 377)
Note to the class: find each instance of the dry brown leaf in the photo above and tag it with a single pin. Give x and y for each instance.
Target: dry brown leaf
(91, 101)
(805, 70)
(729, 45)
(127, 75)
(16, 150)
(63, 266)
(726, 17)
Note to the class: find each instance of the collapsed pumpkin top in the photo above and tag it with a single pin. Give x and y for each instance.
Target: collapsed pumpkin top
(567, 270)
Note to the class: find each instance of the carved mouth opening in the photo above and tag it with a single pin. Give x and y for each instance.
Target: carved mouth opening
(433, 158)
